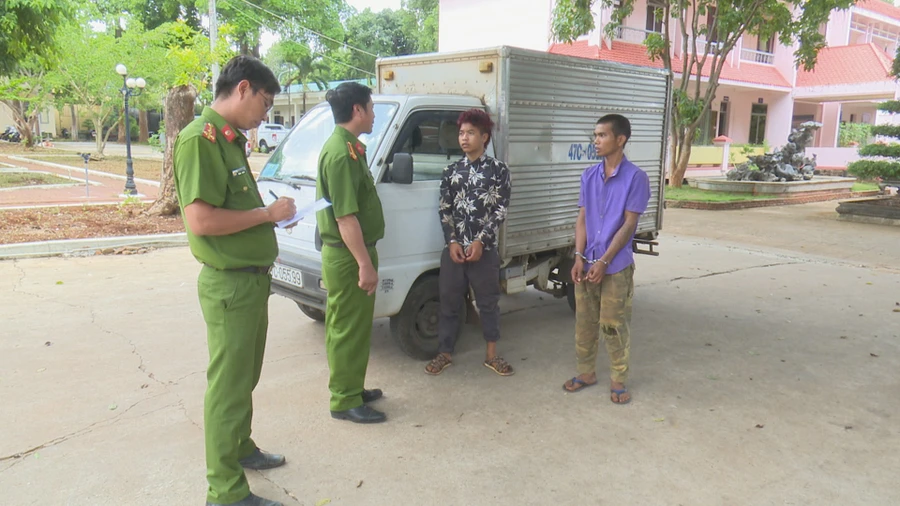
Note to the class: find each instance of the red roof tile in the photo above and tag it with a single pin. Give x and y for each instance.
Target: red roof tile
(636, 54)
(880, 7)
(861, 63)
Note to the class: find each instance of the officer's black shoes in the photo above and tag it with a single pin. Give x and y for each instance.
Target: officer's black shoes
(260, 460)
(371, 395)
(251, 500)
(360, 414)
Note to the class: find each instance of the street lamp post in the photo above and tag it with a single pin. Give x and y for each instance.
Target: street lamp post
(131, 87)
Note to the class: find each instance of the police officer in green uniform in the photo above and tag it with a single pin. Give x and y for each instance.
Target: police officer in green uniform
(231, 233)
(349, 228)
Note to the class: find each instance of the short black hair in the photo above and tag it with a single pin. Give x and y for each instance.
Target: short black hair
(619, 124)
(244, 67)
(344, 97)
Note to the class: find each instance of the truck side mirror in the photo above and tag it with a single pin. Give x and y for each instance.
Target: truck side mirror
(402, 169)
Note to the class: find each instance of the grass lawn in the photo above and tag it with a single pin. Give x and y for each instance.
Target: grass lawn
(688, 193)
(864, 187)
(143, 169)
(18, 179)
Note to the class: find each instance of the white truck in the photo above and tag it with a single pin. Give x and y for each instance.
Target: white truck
(545, 107)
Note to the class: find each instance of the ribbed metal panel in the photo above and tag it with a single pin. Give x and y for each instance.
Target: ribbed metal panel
(543, 104)
(553, 102)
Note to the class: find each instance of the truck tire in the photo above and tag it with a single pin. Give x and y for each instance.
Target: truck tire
(415, 327)
(263, 147)
(313, 313)
(570, 295)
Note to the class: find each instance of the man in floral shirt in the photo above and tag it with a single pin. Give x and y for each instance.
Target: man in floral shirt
(474, 199)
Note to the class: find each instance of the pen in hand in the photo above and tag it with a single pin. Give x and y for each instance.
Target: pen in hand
(273, 195)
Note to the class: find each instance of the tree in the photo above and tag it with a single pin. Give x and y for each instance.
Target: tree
(882, 159)
(187, 60)
(422, 23)
(721, 23)
(86, 73)
(294, 62)
(26, 95)
(28, 30)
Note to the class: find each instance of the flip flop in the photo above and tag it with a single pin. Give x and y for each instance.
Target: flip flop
(576, 381)
(619, 392)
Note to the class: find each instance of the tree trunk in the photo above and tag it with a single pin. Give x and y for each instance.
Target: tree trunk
(681, 158)
(179, 112)
(74, 132)
(100, 139)
(144, 135)
(121, 139)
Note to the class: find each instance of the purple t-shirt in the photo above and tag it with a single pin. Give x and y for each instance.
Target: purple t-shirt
(605, 202)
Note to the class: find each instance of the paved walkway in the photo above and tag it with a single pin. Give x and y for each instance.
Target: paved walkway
(105, 188)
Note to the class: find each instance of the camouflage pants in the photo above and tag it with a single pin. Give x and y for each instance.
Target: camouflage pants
(604, 309)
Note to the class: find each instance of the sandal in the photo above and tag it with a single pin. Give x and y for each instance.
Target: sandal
(619, 393)
(499, 366)
(577, 385)
(438, 364)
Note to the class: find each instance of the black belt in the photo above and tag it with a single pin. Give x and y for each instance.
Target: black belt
(342, 245)
(263, 271)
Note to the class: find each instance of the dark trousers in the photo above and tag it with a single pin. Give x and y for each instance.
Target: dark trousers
(484, 276)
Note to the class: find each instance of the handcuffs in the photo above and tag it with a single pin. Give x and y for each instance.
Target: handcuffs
(589, 261)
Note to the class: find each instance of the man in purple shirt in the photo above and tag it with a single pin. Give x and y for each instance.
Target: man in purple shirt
(614, 194)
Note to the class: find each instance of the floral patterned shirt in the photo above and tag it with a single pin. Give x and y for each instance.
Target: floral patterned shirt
(474, 201)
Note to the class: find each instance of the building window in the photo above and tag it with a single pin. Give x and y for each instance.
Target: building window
(758, 123)
(278, 118)
(712, 34)
(723, 119)
(707, 129)
(655, 16)
(765, 45)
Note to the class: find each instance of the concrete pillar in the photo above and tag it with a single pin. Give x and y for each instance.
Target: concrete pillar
(831, 118)
(778, 120)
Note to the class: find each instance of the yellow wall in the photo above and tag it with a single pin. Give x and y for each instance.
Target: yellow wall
(712, 155)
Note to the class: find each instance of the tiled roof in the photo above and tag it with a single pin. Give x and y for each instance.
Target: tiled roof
(861, 63)
(636, 54)
(880, 7)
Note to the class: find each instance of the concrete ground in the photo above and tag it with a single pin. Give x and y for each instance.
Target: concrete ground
(761, 375)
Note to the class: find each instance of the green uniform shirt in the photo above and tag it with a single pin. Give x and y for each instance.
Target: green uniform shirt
(345, 181)
(211, 165)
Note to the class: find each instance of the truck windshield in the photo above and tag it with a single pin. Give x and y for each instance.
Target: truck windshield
(297, 157)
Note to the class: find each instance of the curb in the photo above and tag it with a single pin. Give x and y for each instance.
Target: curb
(85, 247)
(768, 202)
(72, 167)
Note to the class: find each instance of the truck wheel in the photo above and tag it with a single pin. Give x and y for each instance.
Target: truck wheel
(415, 327)
(263, 147)
(313, 313)
(570, 295)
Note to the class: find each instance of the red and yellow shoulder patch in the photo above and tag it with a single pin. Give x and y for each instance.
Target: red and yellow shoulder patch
(360, 148)
(228, 132)
(209, 132)
(352, 153)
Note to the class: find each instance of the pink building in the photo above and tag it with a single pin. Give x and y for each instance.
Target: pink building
(761, 93)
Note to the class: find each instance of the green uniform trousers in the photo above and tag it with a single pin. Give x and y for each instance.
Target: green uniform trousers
(605, 309)
(348, 326)
(235, 307)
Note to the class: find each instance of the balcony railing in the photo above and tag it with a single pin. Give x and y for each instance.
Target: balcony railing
(757, 56)
(632, 35)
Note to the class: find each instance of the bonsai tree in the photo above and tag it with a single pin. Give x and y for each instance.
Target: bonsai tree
(882, 159)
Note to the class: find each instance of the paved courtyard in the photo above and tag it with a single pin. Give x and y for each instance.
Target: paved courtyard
(764, 372)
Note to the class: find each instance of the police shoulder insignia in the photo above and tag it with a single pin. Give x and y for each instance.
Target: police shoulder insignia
(209, 132)
(228, 132)
(352, 153)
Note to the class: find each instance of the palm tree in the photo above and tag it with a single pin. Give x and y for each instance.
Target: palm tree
(300, 65)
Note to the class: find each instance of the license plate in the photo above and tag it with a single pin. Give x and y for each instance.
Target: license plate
(287, 275)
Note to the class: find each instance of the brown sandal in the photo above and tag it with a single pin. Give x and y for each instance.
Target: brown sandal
(438, 364)
(499, 366)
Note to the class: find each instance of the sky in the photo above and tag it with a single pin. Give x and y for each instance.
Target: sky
(375, 5)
